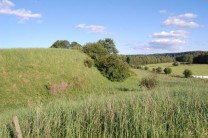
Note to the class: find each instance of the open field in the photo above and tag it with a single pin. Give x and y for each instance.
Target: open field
(176, 107)
(197, 69)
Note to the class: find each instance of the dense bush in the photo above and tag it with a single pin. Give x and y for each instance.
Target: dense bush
(146, 68)
(139, 67)
(175, 64)
(187, 73)
(167, 70)
(95, 50)
(113, 68)
(153, 70)
(149, 82)
(159, 70)
(88, 63)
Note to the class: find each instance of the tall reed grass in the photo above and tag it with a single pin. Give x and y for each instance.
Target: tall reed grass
(146, 114)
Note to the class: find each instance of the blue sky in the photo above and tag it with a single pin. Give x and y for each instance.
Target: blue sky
(136, 26)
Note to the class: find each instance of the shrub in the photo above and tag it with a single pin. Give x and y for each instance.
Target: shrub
(187, 73)
(149, 82)
(88, 63)
(153, 70)
(167, 70)
(175, 64)
(113, 68)
(146, 68)
(159, 70)
(139, 67)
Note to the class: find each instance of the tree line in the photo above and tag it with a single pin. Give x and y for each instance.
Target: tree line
(136, 60)
(195, 57)
(95, 50)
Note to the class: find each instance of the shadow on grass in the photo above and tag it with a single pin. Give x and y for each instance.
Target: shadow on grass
(126, 89)
(10, 131)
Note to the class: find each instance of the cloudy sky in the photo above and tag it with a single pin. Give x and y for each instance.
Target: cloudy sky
(137, 26)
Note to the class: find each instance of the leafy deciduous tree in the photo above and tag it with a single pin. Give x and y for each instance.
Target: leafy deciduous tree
(75, 45)
(61, 44)
(95, 50)
(109, 44)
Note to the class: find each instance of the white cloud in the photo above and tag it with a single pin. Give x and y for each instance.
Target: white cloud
(6, 4)
(182, 20)
(187, 16)
(172, 40)
(96, 29)
(179, 23)
(166, 42)
(6, 8)
(172, 34)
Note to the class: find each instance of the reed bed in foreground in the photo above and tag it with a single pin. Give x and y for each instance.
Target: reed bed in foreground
(145, 114)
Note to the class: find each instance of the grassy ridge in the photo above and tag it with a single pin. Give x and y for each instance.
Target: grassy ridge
(24, 74)
(197, 69)
(176, 108)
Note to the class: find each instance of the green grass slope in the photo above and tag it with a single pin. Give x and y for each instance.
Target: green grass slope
(177, 107)
(24, 74)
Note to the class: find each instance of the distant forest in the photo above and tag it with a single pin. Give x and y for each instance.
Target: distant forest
(193, 57)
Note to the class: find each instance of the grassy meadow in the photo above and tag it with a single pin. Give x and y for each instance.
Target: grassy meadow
(197, 69)
(96, 107)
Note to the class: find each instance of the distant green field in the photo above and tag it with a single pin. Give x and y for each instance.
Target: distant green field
(197, 69)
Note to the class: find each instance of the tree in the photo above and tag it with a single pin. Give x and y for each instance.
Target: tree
(187, 73)
(75, 45)
(95, 50)
(61, 44)
(201, 59)
(167, 70)
(113, 68)
(109, 44)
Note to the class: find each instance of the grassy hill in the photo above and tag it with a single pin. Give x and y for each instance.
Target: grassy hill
(95, 107)
(25, 75)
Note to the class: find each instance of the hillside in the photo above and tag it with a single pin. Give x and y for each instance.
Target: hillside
(92, 105)
(25, 75)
